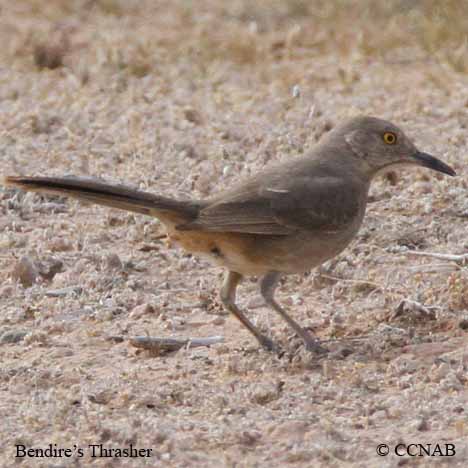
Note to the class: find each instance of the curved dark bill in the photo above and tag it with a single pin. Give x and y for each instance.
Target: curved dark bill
(426, 160)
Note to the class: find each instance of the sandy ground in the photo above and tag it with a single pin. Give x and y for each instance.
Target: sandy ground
(182, 98)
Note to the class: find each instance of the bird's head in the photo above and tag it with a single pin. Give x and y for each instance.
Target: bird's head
(379, 145)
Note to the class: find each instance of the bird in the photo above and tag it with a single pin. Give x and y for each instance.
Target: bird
(288, 218)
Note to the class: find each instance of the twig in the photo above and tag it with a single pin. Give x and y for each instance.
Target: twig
(352, 281)
(164, 345)
(408, 307)
(459, 259)
(347, 338)
(376, 286)
(434, 268)
(75, 290)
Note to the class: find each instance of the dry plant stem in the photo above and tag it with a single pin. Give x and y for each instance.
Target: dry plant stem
(407, 305)
(434, 268)
(459, 259)
(377, 286)
(348, 339)
(172, 344)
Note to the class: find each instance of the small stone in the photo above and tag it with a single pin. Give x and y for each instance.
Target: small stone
(48, 55)
(141, 310)
(101, 397)
(37, 336)
(402, 365)
(50, 267)
(296, 91)
(192, 115)
(7, 291)
(62, 353)
(293, 430)
(222, 349)
(218, 321)
(60, 244)
(113, 262)
(12, 336)
(264, 394)
(437, 373)
(25, 272)
(380, 416)
(249, 438)
(420, 424)
(451, 382)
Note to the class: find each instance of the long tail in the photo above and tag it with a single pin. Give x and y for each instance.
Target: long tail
(115, 196)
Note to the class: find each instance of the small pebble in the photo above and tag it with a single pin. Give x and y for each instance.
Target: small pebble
(25, 272)
(141, 310)
(60, 244)
(420, 424)
(192, 115)
(12, 336)
(292, 429)
(296, 91)
(113, 262)
(218, 321)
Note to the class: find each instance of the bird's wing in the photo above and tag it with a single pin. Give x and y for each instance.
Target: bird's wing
(283, 207)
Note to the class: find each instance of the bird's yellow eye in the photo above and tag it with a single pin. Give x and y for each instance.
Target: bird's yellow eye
(389, 138)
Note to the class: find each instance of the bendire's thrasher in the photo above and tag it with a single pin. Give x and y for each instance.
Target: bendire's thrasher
(289, 218)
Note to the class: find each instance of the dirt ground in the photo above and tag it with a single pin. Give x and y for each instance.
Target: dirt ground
(182, 98)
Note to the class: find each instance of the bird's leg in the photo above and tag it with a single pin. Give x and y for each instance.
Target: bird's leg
(267, 288)
(228, 298)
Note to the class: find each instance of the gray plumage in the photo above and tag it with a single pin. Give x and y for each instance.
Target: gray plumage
(288, 218)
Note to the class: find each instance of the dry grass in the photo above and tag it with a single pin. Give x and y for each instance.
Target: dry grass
(183, 97)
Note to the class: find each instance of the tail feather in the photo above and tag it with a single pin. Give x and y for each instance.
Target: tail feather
(115, 196)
